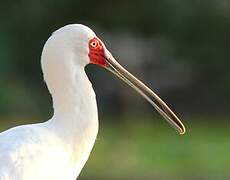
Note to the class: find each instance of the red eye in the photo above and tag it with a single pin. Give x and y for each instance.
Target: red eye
(94, 44)
(97, 52)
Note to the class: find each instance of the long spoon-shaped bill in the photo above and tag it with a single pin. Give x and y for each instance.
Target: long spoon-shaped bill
(146, 92)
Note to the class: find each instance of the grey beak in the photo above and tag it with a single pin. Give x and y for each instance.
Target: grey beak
(146, 92)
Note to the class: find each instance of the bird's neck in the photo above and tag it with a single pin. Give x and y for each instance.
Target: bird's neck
(75, 119)
(74, 101)
(75, 110)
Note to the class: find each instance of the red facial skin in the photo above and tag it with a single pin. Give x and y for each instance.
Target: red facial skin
(97, 52)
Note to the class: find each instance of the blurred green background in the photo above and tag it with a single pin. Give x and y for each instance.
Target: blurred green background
(179, 48)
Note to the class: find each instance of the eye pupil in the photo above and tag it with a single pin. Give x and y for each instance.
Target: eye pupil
(94, 44)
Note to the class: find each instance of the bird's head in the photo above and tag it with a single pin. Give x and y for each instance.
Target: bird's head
(81, 43)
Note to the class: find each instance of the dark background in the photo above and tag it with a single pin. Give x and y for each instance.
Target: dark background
(179, 48)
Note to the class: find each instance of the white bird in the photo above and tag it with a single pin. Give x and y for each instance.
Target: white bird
(58, 148)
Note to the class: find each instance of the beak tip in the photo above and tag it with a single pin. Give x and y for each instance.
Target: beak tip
(183, 131)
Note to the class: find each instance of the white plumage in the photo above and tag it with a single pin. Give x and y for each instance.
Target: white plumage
(59, 148)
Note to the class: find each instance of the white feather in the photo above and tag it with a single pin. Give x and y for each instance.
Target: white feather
(58, 148)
